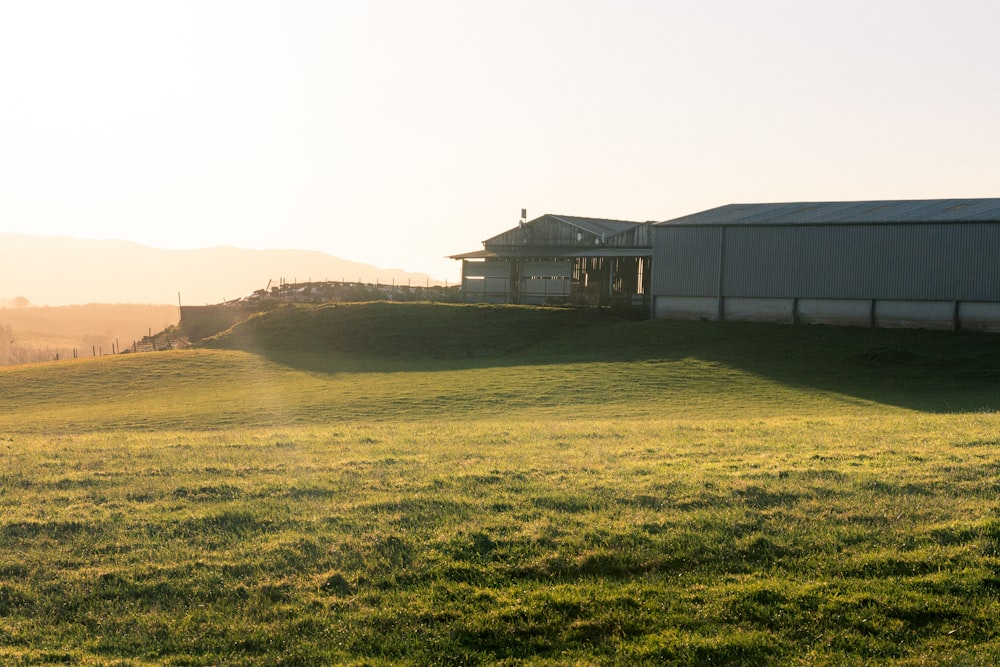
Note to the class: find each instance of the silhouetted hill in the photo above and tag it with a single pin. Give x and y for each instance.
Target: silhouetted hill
(58, 270)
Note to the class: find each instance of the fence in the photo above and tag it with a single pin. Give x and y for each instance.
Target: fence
(344, 291)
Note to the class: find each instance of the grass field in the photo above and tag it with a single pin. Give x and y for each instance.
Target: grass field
(417, 484)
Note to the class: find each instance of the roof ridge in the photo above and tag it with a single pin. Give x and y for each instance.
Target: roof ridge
(562, 216)
(875, 211)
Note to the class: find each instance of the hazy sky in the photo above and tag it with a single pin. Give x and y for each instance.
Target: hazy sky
(395, 132)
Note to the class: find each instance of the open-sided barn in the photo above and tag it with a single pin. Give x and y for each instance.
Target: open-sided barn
(922, 263)
(560, 259)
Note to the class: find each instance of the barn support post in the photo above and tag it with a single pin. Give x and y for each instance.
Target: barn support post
(956, 319)
(514, 282)
(611, 279)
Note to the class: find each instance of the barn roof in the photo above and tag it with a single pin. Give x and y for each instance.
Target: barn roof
(847, 212)
(596, 225)
(555, 252)
(553, 235)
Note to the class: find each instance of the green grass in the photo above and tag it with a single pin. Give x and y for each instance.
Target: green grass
(560, 489)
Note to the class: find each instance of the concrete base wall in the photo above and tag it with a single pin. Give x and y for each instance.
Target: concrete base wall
(850, 312)
(758, 310)
(685, 308)
(971, 316)
(915, 314)
(979, 316)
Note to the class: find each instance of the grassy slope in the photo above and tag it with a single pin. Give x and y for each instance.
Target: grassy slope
(374, 488)
(417, 362)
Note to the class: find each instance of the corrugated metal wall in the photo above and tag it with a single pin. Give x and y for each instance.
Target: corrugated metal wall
(875, 261)
(686, 260)
(637, 237)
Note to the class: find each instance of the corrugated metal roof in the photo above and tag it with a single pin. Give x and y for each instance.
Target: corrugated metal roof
(596, 225)
(560, 229)
(475, 254)
(553, 251)
(848, 212)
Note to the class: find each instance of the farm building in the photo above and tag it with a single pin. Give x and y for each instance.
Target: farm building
(923, 263)
(559, 259)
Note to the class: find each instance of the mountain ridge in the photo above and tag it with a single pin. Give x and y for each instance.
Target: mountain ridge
(61, 270)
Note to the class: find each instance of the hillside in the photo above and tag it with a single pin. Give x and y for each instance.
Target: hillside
(57, 271)
(408, 330)
(313, 364)
(386, 361)
(933, 370)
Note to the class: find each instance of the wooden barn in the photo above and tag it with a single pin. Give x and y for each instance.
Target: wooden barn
(561, 259)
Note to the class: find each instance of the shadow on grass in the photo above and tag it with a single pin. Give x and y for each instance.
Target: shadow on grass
(930, 371)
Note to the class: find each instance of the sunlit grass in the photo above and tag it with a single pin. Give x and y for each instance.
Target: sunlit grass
(690, 506)
(859, 538)
(220, 389)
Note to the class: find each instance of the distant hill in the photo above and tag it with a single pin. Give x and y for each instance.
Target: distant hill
(58, 271)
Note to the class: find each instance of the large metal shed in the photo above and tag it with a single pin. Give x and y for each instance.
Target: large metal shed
(910, 263)
(561, 259)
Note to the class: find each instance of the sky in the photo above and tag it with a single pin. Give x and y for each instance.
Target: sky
(395, 132)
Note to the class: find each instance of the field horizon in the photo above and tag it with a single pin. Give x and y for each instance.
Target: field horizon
(437, 484)
(43, 333)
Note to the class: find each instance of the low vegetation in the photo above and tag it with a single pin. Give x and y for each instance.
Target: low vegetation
(31, 334)
(405, 484)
